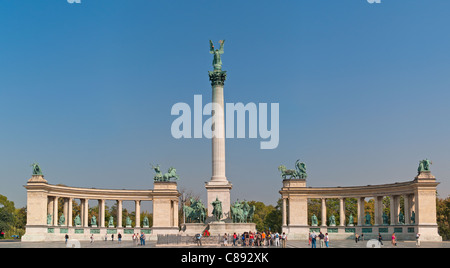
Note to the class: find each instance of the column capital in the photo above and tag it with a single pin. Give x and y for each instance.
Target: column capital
(217, 77)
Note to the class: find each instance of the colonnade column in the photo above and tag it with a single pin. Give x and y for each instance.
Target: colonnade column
(407, 209)
(341, 212)
(392, 202)
(360, 211)
(50, 201)
(119, 213)
(378, 210)
(65, 210)
(101, 212)
(138, 214)
(55, 211)
(85, 212)
(69, 212)
(324, 212)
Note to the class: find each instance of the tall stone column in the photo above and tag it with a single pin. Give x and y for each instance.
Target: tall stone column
(50, 201)
(407, 209)
(85, 212)
(138, 213)
(324, 212)
(119, 213)
(55, 211)
(393, 210)
(69, 212)
(218, 187)
(378, 210)
(360, 211)
(101, 212)
(66, 211)
(341, 212)
(283, 215)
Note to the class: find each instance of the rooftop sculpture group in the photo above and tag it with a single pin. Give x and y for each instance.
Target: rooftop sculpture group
(171, 173)
(298, 173)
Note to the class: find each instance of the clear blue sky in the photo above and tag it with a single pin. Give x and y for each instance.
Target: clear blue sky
(86, 90)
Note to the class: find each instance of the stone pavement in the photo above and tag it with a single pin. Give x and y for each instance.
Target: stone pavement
(290, 244)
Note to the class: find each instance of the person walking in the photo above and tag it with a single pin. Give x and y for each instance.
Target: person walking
(199, 239)
(326, 239)
(313, 240)
(92, 238)
(277, 239)
(380, 239)
(393, 238)
(119, 237)
(234, 239)
(356, 237)
(309, 239)
(142, 239)
(418, 239)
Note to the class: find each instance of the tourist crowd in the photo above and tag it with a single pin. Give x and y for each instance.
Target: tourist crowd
(256, 239)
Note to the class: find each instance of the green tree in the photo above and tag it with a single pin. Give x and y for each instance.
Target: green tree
(443, 217)
(261, 212)
(273, 218)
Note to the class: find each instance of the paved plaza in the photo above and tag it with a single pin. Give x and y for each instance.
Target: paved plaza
(290, 244)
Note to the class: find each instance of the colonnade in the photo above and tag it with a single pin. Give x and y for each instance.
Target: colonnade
(394, 205)
(43, 211)
(52, 209)
(419, 208)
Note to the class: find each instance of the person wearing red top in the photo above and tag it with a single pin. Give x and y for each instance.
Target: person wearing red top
(252, 238)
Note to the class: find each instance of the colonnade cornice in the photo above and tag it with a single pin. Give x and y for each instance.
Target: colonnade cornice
(92, 193)
(399, 188)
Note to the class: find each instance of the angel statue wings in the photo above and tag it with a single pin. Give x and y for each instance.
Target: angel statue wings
(217, 62)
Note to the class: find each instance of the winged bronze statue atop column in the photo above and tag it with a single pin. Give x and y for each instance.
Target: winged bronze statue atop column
(217, 62)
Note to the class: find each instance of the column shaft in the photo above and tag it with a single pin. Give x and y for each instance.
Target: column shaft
(69, 212)
(119, 213)
(218, 139)
(324, 212)
(360, 211)
(407, 209)
(101, 212)
(138, 213)
(341, 212)
(55, 211)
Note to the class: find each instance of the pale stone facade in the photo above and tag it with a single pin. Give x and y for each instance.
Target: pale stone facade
(419, 197)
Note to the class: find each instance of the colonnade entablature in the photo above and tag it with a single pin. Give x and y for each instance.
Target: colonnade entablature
(417, 216)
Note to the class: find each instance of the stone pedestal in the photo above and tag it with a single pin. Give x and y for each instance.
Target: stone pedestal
(217, 228)
(165, 208)
(221, 191)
